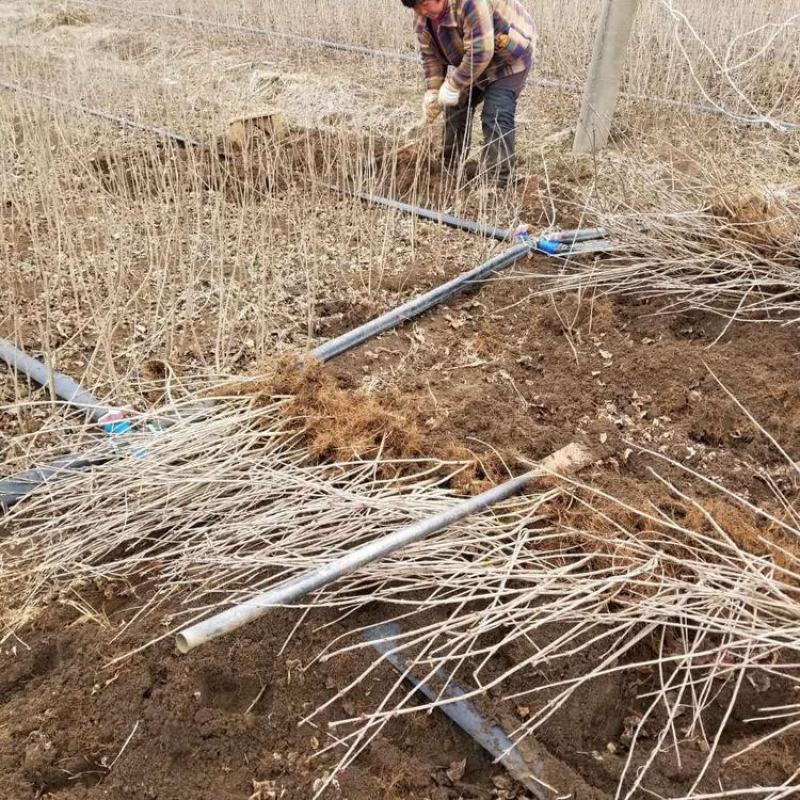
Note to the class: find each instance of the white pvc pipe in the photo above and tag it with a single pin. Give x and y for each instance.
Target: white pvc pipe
(569, 459)
(66, 389)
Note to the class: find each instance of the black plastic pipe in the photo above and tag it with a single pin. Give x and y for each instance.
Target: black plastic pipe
(487, 733)
(324, 43)
(13, 489)
(16, 487)
(550, 83)
(124, 122)
(489, 231)
(413, 308)
(562, 243)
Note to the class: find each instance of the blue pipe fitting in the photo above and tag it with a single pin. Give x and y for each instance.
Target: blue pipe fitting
(546, 246)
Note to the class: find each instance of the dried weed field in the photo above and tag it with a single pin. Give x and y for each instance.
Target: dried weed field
(635, 629)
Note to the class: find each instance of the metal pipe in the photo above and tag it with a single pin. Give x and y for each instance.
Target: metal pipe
(568, 459)
(413, 308)
(489, 736)
(125, 122)
(64, 387)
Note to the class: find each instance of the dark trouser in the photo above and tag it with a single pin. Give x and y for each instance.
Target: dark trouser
(497, 121)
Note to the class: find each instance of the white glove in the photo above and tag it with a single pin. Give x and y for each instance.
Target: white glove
(448, 96)
(430, 105)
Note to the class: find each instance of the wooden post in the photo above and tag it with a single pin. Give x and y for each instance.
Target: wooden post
(602, 88)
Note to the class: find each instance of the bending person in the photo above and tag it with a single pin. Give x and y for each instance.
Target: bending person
(473, 52)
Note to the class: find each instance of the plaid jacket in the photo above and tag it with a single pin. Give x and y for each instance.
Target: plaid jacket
(484, 39)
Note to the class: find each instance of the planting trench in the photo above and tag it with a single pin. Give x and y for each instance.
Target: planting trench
(263, 154)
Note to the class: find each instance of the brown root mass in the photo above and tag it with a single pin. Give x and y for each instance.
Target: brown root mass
(342, 424)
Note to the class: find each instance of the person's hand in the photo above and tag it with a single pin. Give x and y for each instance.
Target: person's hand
(430, 105)
(448, 96)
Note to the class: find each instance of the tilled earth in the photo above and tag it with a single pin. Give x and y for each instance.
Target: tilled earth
(496, 373)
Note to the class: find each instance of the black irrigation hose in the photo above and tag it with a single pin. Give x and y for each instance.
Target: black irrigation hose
(295, 37)
(16, 487)
(561, 243)
(124, 122)
(489, 231)
(568, 241)
(385, 638)
(413, 308)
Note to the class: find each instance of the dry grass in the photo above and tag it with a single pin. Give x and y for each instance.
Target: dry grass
(745, 60)
(146, 256)
(735, 265)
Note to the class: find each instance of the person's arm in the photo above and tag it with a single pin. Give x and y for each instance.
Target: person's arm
(432, 65)
(478, 44)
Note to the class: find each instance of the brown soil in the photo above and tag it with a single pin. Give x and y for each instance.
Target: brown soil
(499, 375)
(503, 376)
(507, 372)
(221, 726)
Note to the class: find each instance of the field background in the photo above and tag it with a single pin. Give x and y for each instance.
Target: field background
(732, 52)
(151, 272)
